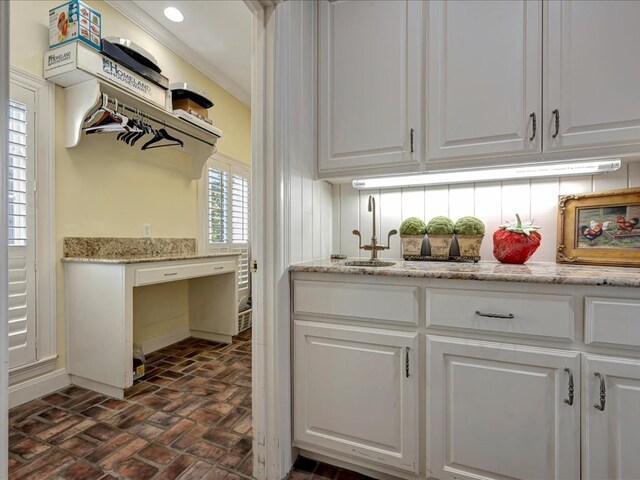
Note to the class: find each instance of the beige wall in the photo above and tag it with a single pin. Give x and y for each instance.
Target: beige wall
(106, 188)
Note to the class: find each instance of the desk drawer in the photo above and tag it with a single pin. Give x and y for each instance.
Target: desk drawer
(368, 302)
(169, 273)
(612, 321)
(512, 314)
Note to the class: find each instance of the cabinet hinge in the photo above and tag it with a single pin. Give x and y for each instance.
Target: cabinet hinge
(254, 266)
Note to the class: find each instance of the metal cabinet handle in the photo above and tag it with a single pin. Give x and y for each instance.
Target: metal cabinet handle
(569, 401)
(556, 114)
(406, 362)
(170, 274)
(534, 126)
(218, 268)
(411, 136)
(603, 392)
(495, 315)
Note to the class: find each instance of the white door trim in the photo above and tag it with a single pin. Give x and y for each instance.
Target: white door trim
(4, 354)
(269, 226)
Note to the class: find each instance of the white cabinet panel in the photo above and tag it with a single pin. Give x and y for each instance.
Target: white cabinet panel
(497, 411)
(484, 77)
(342, 405)
(612, 321)
(611, 436)
(592, 73)
(369, 84)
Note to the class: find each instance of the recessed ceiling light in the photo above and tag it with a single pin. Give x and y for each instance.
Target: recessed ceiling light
(173, 14)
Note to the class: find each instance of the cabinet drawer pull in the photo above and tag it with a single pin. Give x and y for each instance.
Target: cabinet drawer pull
(170, 274)
(411, 136)
(494, 315)
(569, 401)
(533, 125)
(556, 115)
(218, 268)
(406, 362)
(603, 392)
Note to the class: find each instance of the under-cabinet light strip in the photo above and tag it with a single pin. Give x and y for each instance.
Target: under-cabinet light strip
(585, 167)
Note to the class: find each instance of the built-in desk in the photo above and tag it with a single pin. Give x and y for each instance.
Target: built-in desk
(99, 309)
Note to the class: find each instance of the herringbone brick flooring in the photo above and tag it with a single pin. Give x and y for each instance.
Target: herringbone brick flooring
(189, 419)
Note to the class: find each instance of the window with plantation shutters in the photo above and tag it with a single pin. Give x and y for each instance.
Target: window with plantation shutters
(218, 206)
(20, 216)
(228, 215)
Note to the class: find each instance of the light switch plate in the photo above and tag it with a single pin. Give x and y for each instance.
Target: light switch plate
(146, 230)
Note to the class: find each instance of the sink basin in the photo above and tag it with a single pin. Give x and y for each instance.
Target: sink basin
(368, 263)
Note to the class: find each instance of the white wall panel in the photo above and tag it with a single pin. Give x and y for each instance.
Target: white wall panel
(493, 202)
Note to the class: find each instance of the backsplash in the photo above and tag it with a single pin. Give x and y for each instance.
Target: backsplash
(123, 247)
(493, 202)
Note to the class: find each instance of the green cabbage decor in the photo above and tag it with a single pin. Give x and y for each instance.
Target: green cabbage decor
(469, 226)
(413, 226)
(440, 226)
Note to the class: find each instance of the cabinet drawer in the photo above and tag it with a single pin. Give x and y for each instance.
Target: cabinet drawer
(169, 273)
(383, 303)
(612, 321)
(504, 313)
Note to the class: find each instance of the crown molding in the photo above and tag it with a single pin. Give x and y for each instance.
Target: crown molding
(147, 23)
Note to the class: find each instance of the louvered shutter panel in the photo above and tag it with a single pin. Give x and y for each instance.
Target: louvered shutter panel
(218, 206)
(240, 229)
(21, 216)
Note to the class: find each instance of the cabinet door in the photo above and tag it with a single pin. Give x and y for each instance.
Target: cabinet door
(592, 73)
(369, 85)
(353, 393)
(484, 77)
(497, 411)
(611, 437)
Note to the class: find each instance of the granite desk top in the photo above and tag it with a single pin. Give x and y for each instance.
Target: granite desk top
(146, 259)
(549, 273)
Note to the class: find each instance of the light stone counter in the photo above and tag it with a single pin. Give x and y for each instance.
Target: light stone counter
(548, 273)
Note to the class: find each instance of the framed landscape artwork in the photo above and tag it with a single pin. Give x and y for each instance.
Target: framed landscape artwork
(600, 228)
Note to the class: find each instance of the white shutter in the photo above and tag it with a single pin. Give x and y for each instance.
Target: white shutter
(21, 231)
(240, 227)
(218, 206)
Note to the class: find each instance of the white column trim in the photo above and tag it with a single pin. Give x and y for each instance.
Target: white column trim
(4, 353)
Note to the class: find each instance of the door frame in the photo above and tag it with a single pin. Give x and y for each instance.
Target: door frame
(271, 382)
(4, 352)
(271, 423)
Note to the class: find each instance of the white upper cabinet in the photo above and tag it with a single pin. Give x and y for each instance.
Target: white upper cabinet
(369, 83)
(484, 78)
(611, 408)
(592, 74)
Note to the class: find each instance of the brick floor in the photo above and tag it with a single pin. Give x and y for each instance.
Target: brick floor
(189, 419)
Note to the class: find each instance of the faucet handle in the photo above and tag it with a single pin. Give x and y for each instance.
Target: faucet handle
(392, 232)
(357, 234)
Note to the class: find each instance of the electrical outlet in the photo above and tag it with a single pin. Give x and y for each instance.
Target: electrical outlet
(146, 230)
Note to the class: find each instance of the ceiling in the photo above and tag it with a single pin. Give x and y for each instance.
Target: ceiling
(215, 36)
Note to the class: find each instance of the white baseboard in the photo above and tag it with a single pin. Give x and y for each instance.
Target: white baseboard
(166, 339)
(37, 387)
(213, 337)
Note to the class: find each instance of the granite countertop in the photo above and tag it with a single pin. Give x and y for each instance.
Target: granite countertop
(550, 273)
(146, 259)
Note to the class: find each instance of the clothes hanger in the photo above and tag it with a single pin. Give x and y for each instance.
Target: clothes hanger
(162, 134)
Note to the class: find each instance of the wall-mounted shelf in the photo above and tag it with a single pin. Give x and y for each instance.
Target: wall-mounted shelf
(87, 78)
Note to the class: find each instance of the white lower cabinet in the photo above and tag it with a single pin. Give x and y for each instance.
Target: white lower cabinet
(356, 392)
(498, 411)
(611, 412)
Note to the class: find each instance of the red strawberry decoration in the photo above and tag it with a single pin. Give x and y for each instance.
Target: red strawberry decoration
(516, 242)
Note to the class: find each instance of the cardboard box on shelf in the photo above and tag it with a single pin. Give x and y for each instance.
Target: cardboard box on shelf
(187, 104)
(75, 20)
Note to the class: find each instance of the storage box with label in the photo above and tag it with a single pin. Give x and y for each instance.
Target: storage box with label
(74, 20)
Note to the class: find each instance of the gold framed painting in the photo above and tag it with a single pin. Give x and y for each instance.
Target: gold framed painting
(600, 228)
